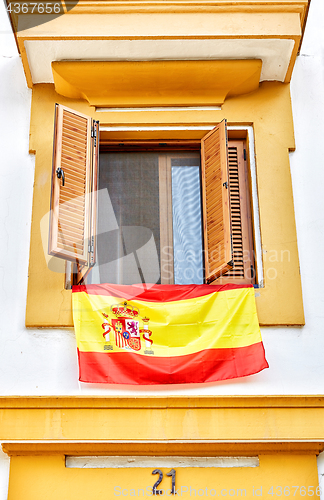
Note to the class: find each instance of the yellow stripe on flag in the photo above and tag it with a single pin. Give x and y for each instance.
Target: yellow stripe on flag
(225, 319)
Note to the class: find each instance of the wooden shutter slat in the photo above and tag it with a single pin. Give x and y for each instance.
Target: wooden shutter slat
(77, 191)
(73, 150)
(75, 184)
(71, 201)
(72, 120)
(71, 247)
(69, 138)
(77, 213)
(68, 235)
(73, 171)
(78, 183)
(71, 221)
(77, 160)
(81, 121)
(70, 225)
(216, 210)
(74, 156)
(75, 135)
(73, 165)
(217, 205)
(71, 236)
(70, 228)
(73, 143)
(71, 211)
(76, 132)
(66, 239)
(77, 129)
(73, 147)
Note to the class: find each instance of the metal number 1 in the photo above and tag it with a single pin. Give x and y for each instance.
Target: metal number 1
(171, 474)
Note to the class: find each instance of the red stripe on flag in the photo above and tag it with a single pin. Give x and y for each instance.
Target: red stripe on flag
(204, 366)
(155, 293)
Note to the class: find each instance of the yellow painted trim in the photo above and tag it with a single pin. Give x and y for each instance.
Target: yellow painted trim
(211, 24)
(280, 301)
(286, 433)
(154, 83)
(195, 448)
(292, 60)
(178, 420)
(182, 6)
(24, 60)
(39, 477)
(259, 19)
(161, 402)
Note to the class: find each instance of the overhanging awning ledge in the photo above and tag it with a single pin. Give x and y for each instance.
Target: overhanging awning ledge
(156, 83)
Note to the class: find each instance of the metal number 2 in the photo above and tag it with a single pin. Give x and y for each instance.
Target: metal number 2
(172, 474)
(160, 473)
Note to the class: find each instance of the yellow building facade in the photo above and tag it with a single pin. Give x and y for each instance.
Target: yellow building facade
(163, 72)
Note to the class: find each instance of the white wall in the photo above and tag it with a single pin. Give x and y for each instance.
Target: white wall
(43, 361)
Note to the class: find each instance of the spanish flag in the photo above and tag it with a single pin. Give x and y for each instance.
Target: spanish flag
(166, 334)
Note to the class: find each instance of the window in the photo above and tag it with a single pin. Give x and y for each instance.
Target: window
(153, 201)
(198, 216)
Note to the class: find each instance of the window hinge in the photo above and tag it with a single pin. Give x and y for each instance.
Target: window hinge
(91, 245)
(94, 135)
(244, 154)
(225, 184)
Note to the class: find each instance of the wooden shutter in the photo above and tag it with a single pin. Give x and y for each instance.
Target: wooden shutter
(73, 205)
(243, 270)
(216, 208)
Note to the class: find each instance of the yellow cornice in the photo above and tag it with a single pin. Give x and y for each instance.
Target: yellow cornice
(186, 6)
(160, 402)
(107, 6)
(168, 448)
(86, 15)
(191, 424)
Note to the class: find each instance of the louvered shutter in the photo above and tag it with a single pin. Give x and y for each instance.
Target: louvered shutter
(216, 208)
(73, 205)
(243, 270)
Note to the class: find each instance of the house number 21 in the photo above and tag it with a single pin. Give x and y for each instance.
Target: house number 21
(171, 474)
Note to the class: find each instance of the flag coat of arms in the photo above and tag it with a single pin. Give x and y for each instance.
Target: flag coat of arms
(166, 334)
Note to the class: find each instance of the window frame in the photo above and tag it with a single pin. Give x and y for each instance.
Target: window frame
(245, 133)
(166, 207)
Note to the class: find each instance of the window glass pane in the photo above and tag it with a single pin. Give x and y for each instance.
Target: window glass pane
(187, 230)
(129, 249)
